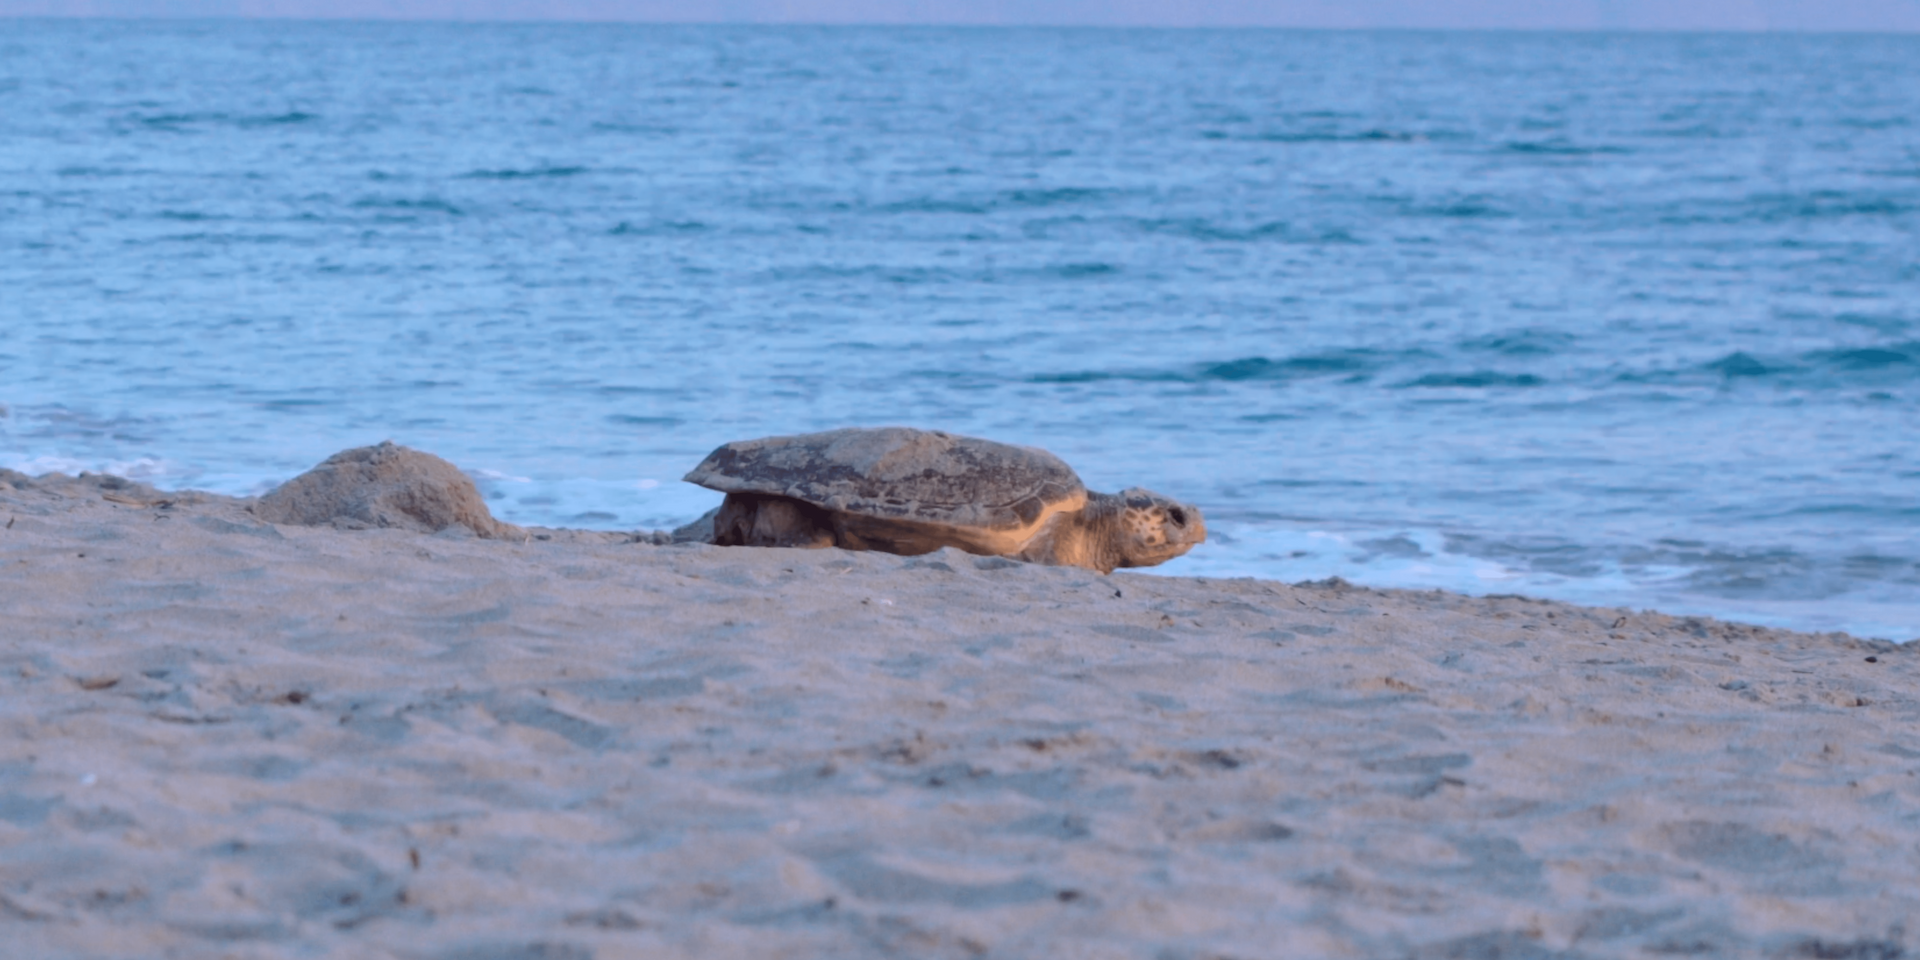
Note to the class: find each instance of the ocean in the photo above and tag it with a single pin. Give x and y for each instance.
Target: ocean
(1611, 318)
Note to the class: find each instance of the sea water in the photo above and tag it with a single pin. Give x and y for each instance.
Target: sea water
(1622, 319)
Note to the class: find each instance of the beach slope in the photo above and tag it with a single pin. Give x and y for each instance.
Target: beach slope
(223, 737)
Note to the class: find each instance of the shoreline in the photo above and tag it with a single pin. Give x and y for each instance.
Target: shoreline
(224, 735)
(1320, 549)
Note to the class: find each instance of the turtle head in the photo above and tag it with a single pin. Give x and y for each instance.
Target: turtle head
(1154, 529)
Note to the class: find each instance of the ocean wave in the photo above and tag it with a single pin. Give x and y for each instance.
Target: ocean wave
(531, 173)
(1063, 224)
(1075, 271)
(1881, 322)
(1905, 356)
(60, 423)
(1522, 343)
(649, 129)
(904, 275)
(1793, 208)
(1464, 208)
(987, 203)
(83, 170)
(147, 469)
(1331, 363)
(1747, 583)
(1891, 122)
(1478, 379)
(295, 404)
(1833, 366)
(217, 238)
(623, 390)
(1331, 136)
(658, 228)
(409, 204)
(1057, 196)
(177, 122)
(936, 205)
(277, 119)
(1281, 231)
(1742, 364)
(1559, 147)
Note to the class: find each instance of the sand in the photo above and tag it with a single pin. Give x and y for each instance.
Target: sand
(225, 738)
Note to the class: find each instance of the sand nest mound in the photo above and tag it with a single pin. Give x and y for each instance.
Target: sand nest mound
(384, 486)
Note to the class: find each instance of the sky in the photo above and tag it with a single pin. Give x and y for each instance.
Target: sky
(1745, 15)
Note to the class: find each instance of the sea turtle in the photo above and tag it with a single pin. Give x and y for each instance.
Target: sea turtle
(907, 491)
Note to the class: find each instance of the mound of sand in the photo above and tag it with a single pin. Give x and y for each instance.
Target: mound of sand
(384, 486)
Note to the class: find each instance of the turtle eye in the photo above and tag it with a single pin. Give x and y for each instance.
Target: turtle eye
(1179, 516)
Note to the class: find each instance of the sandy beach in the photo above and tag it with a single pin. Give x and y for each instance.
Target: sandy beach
(229, 738)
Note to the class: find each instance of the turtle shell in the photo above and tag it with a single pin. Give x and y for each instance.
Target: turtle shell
(901, 474)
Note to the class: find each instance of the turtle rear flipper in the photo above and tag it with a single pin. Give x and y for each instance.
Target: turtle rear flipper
(699, 531)
(754, 520)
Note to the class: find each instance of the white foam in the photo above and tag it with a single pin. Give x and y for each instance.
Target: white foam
(1297, 553)
(485, 474)
(146, 469)
(597, 504)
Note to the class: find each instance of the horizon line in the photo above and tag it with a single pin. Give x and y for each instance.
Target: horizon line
(585, 20)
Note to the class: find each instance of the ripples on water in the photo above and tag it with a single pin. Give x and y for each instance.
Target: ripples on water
(1622, 319)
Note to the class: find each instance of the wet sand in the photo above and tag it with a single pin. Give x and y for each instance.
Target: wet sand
(229, 738)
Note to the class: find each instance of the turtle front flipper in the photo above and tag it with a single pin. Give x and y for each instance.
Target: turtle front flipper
(1073, 538)
(755, 520)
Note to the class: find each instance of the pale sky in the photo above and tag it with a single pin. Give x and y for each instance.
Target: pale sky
(1853, 15)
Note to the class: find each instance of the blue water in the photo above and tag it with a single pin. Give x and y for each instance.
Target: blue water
(1626, 319)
